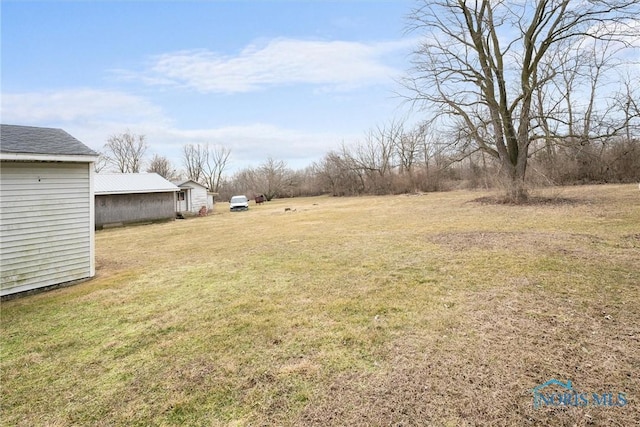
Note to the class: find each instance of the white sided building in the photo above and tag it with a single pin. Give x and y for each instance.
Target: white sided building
(193, 197)
(46, 209)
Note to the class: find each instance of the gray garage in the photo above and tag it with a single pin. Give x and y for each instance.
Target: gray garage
(133, 198)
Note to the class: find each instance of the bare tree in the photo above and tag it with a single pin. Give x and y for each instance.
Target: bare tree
(126, 151)
(214, 165)
(163, 167)
(480, 63)
(582, 114)
(193, 160)
(272, 178)
(205, 164)
(628, 103)
(407, 149)
(338, 175)
(101, 163)
(375, 156)
(243, 182)
(305, 183)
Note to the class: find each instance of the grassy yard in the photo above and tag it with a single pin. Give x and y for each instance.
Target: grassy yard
(432, 309)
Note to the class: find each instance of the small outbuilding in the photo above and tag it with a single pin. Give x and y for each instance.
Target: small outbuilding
(46, 209)
(193, 197)
(129, 198)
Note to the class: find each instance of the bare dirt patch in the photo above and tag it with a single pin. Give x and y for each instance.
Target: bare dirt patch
(530, 201)
(632, 240)
(482, 370)
(494, 240)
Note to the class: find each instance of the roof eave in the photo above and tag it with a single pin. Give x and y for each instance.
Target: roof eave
(33, 157)
(108, 192)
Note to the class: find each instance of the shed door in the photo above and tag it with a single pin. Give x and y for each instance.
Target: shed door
(182, 201)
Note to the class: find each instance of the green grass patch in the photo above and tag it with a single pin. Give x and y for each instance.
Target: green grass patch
(387, 310)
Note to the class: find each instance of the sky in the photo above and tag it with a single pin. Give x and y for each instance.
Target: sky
(290, 80)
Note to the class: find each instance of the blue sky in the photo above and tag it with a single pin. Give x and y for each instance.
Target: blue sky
(286, 79)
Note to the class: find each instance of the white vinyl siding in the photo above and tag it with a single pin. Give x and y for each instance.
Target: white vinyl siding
(199, 199)
(46, 229)
(196, 196)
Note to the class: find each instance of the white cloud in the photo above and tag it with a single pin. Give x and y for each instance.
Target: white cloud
(93, 115)
(251, 144)
(73, 105)
(337, 64)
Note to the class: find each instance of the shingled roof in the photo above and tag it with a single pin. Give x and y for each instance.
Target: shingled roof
(38, 140)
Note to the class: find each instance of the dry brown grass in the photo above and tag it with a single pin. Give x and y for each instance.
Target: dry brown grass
(405, 310)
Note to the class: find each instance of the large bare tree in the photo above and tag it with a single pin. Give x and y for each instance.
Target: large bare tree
(193, 158)
(273, 178)
(206, 164)
(126, 151)
(214, 165)
(480, 62)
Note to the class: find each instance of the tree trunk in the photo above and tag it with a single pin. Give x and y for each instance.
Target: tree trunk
(513, 180)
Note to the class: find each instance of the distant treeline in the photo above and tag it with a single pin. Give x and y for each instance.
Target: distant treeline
(390, 160)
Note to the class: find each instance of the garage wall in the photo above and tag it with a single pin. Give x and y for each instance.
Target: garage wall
(46, 229)
(132, 208)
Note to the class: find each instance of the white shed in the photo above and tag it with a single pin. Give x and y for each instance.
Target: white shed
(193, 196)
(46, 209)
